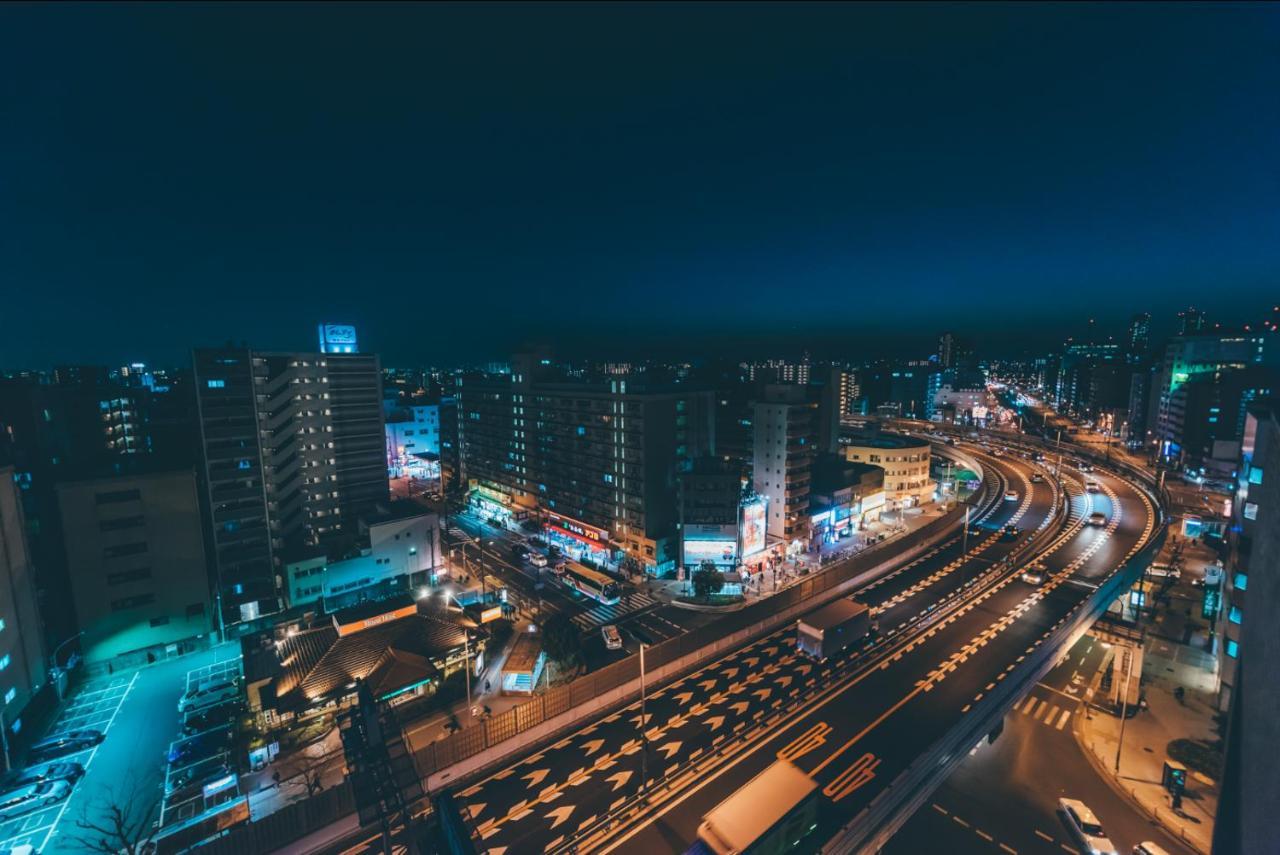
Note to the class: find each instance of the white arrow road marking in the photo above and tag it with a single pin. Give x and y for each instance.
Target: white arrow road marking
(618, 779)
(592, 746)
(560, 814)
(536, 776)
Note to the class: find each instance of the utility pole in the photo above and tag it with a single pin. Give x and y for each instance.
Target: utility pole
(1124, 707)
(644, 738)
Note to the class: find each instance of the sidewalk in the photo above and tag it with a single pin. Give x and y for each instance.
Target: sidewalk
(1167, 665)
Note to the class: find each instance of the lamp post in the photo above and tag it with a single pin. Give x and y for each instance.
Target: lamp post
(56, 672)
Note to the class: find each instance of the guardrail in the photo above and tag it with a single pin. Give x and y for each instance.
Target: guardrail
(892, 807)
(470, 751)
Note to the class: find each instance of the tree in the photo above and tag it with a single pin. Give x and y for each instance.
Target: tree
(707, 580)
(120, 818)
(561, 640)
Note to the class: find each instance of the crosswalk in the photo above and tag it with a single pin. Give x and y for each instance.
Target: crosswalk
(601, 614)
(1048, 713)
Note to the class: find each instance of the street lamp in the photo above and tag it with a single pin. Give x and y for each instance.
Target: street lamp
(56, 672)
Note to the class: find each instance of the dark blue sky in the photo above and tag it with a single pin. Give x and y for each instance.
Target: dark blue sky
(455, 178)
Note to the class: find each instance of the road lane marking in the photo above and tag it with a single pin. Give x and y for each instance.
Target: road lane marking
(1040, 833)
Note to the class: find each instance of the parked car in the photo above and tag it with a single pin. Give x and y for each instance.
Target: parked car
(58, 771)
(1086, 827)
(199, 720)
(199, 747)
(29, 797)
(60, 744)
(612, 638)
(193, 777)
(20, 849)
(209, 693)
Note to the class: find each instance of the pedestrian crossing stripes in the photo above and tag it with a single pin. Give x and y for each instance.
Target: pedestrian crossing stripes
(1045, 712)
(601, 614)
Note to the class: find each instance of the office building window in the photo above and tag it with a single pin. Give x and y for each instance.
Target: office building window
(125, 576)
(124, 549)
(4, 661)
(1255, 475)
(121, 523)
(216, 384)
(10, 695)
(132, 602)
(1241, 582)
(1233, 648)
(1234, 615)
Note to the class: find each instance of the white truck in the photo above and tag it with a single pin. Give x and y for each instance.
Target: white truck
(770, 815)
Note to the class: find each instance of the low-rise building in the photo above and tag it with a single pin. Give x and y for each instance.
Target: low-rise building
(904, 459)
(22, 652)
(398, 547)
(400, 647)
(845, 496)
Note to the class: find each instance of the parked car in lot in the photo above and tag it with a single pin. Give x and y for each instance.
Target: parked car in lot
(1085, 826)
(42, 772)
(209, 693)
(29, 797)
(612, 638)
(200, 720)
(1097, 518)
(200, 747)
(189, 780)
(20, 849)
(58, 745)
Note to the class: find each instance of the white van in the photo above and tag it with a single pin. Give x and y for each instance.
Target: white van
(537, 559)
(1086, 827)
(209, 693)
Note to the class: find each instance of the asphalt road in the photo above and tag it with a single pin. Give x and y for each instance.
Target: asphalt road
(863, 733)
(559, 792)
(1004, 797)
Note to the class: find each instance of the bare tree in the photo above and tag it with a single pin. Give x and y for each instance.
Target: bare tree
(310, 775)
(120, 818)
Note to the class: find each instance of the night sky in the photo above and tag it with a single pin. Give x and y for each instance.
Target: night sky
(459, 179)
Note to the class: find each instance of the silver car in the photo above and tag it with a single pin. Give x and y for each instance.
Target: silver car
(31, 797)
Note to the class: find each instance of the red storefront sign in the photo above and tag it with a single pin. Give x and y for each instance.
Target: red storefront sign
(588, 534)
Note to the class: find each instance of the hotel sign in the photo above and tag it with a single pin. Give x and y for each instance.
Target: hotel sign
(377, 620)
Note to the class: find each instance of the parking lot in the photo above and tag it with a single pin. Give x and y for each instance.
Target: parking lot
(185, 795)
(94, 706)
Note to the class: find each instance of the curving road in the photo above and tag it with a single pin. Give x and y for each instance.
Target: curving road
(735, 714)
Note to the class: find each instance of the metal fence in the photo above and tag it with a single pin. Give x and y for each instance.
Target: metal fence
(761, 615)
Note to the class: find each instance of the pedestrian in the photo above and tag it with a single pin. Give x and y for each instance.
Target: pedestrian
(275, 776)
(486, 687)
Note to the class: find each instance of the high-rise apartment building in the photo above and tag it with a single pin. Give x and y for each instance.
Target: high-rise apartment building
(294, 449)
(596, 462)
(22, 650)
(789, 432)
(1249, 652)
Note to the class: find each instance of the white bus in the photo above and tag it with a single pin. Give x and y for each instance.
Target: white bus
(593, 583)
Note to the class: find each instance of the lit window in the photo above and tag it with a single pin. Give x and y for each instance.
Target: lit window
(1255, 475)
(217, 384)
(4, 661)
(1233, 649)
(10, 695)
(1251, 510)
(1241, 582)
(1233, 615)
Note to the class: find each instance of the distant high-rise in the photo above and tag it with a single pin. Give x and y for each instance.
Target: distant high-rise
(294, 450)
(1139, 334)
(1190, 321)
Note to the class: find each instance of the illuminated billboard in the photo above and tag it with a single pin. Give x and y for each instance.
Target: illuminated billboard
(337, 338)
(753, 526)
(720, 552)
